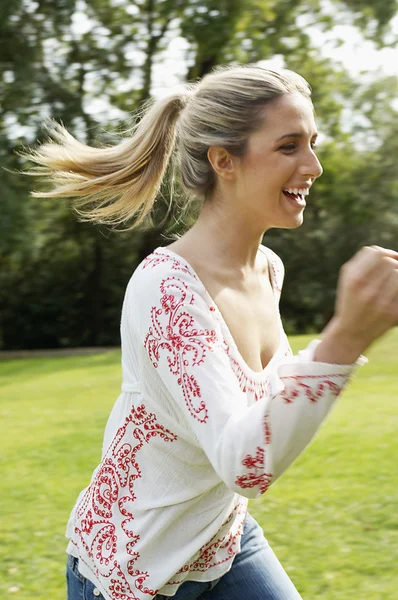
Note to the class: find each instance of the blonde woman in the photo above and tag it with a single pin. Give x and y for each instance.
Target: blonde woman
(214, 407)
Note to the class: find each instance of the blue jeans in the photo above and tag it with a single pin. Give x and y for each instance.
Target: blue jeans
(79, 588)
(256, 574)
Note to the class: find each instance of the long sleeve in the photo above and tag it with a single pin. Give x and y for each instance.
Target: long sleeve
(249, 447)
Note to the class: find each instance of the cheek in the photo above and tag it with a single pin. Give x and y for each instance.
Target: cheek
(270, 173)
(260, 170)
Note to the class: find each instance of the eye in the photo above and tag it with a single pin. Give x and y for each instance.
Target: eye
(289, 147)
(293, 146)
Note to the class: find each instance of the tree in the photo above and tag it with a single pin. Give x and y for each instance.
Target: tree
(61, 57)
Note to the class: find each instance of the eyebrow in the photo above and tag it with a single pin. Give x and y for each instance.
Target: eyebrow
(295, 135)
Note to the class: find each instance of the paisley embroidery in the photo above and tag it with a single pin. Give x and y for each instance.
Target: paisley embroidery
(110, 498)
(106, 534)
(173, 332)
(255, 464)
(255, 388)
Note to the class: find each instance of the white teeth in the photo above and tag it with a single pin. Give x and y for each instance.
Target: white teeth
(296, 191)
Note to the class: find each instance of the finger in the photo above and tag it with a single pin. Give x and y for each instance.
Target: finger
(376, 281)
(386, 269)
(366, 264)
(389, 299)
(385, 251)
(370, 280)
(388, 264)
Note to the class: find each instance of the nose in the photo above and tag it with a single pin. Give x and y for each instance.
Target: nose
(311, 167)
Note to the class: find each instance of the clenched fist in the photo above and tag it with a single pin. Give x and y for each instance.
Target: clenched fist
(366, 305)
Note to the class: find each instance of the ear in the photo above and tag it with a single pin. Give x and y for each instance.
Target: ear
(221, 161)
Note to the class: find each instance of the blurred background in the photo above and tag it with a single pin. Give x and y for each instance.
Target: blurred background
(90, 64)
(332, 519)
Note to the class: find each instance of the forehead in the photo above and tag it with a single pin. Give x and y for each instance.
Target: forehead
(289, 113)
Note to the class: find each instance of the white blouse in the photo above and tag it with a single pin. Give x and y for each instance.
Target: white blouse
(193, 435)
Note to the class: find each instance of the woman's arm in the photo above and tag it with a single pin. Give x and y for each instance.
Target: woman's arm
(248, 447)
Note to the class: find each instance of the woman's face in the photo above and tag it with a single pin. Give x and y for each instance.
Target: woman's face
(274, 176)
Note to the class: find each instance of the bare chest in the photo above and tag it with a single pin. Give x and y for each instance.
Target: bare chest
(253, 321)
(247, 306)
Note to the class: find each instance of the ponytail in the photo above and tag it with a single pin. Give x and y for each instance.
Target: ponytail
(111, 184)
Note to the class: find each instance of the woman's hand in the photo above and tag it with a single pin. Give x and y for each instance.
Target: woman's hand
(366, 305)
(367, 294)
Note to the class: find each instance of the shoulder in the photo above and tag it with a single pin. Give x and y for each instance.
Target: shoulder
(165, 298)
(275, 264)
(163, 273)
(159, 264)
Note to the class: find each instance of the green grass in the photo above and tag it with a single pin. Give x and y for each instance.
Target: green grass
(332, 519)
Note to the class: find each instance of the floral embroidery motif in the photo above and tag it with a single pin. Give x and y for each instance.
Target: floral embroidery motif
(257, 476)
(110, 496)
(254, 388)
(107, 524)
(173, 331)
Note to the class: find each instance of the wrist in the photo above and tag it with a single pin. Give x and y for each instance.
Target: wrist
(338, 345)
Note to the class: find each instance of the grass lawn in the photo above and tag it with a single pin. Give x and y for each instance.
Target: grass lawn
(332, 519)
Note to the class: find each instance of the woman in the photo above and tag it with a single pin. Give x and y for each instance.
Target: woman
(214, 406)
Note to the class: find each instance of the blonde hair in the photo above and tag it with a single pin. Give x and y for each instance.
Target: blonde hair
(114, 184)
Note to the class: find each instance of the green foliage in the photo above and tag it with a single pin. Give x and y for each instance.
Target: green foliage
(62, 283)
(331, 519)
(372, 16)
(209, 26)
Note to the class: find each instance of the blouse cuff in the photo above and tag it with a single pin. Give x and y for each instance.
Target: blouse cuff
(309, 352)
(304, 364)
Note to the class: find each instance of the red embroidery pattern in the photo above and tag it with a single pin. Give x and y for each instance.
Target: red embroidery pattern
(295, 386)
(219, 549)
(276, 271)
(253, 387)
(257, 476)
(111, 496)
(156, 258)
(267, 430)
(173, 331)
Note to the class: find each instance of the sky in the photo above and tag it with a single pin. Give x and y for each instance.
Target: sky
(360, 57)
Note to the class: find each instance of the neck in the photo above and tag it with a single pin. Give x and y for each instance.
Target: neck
(225, 236)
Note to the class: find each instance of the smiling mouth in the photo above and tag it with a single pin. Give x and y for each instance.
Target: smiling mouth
(293, 196)
(296, 194)
(296, 198)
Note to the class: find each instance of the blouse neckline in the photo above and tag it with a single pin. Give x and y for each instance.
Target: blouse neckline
(254, 375)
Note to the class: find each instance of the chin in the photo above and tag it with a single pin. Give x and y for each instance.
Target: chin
(290, 224)
(297, 224)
